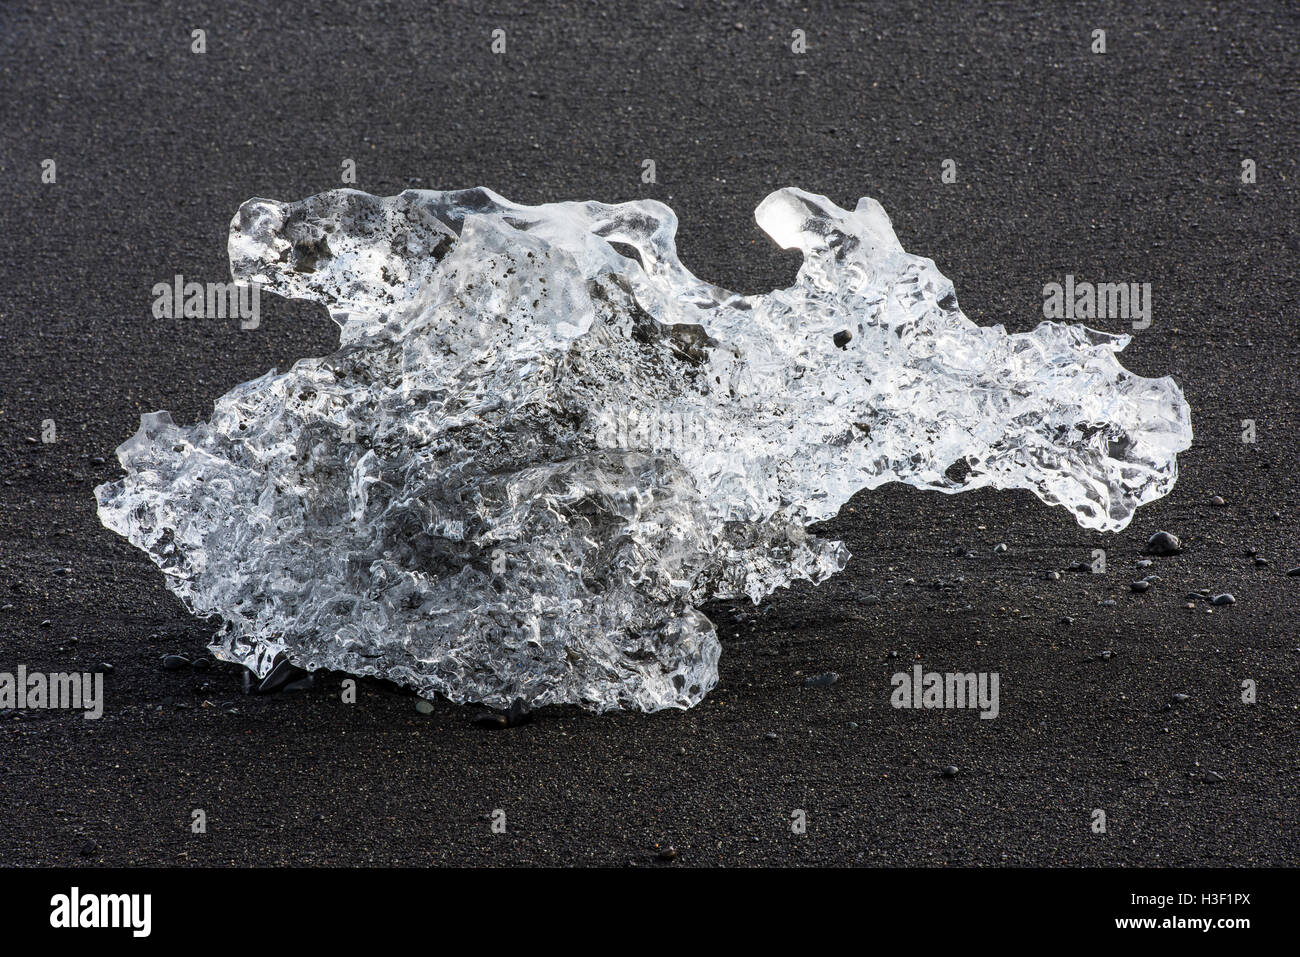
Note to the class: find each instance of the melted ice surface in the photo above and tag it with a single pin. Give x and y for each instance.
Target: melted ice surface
(542, 441)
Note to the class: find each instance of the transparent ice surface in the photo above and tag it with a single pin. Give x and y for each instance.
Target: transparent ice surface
(542, 441)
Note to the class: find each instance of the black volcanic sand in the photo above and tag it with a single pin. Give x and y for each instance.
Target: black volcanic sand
(1121, 167)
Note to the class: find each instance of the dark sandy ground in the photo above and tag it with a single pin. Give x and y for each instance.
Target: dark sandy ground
(1116, 167)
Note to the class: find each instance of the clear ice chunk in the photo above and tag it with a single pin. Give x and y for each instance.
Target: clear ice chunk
(542, 442)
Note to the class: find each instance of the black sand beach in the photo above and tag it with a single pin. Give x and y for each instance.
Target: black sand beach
(1118, 167)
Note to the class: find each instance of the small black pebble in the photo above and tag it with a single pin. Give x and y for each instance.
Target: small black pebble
(1180, 698)
(174, 662)
(821, 681)
(1140, 586)
(1217, 500)
(1052, 576)
(950, 771)
(1000, 548)
(1293, 572)
(491, 721)
(1224, 599)
(1212, 777)
(1164, 543)
(668, 853)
